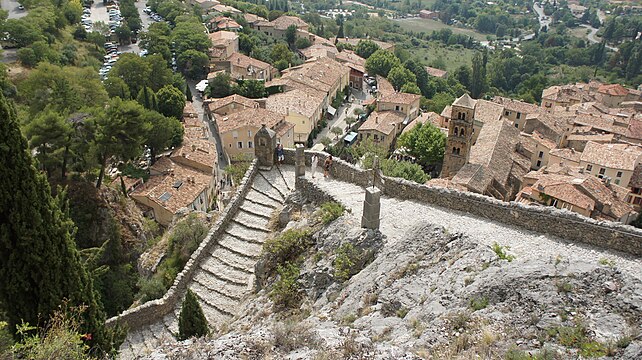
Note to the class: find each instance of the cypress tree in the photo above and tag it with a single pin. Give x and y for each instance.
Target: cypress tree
(147, 98)
(191, 321)
(40, 266)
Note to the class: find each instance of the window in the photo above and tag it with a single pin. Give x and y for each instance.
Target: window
(617, 181)
(589, 167)
(519, 115)
(376, 137)
(454, 150)
(506, 113)
(230, 145)
(456, 130)
(397, 107)
(602, 171)
(463, 116)
(461, 132)
(235, 134)
(539, 163)
(619, 174)
(240, 145)
(383, 138)
(541, 154)
(249, 133)
(250, 145)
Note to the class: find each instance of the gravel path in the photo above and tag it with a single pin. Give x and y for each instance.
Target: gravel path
(399, 215)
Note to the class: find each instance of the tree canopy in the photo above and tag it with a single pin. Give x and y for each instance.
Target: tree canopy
(425, 142)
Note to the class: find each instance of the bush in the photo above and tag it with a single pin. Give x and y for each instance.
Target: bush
(344, 263)
(285, 292)
(192, 321)
(151, 289)
(238, 168)
(287, 246)
(478, 303)
(501, 253)
(330, 211)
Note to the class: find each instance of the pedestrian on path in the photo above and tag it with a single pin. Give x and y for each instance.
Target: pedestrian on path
(326, 166)
(315, 161)
(279, 154)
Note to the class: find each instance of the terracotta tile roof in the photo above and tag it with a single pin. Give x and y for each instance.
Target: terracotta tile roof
(355, 42)
(351, 59)
(224, 8)
(636, 178)
(251, 18)
(541, 139)
(600, 138)
(242, 60)
(283, 127)
(216, 104)
(248, 117)
(202, 152)
(227, 23)
(436, 72)
(400, 98)
(189, 110)
(614, 156)
(465, 101)
(321, 74)
(487, 111)
(195, 133)
(567, 154)
(222, 38)
(384, 87)
(178, 187)
(428, 117)
(606, 124)
(385, 122)
(447, 111)
(613, 90)
(298, 100)
(516, 105)
(284, 21)
(634, 130)
(318, 50)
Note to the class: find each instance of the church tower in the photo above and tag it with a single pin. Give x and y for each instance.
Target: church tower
(460, 134)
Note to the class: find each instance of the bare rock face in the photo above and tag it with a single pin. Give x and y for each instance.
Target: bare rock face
(434, 294)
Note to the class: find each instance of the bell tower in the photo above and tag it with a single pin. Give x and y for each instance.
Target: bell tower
(460, 134)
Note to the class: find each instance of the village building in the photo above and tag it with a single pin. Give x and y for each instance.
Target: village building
(515, 110)
(438, 73)
(613, 161)
(279, 26)
(357, 66)
(382, 127)
(355, 41)
(301, 107)
(224, 44)
(237, 130)
(427, 14)
(229, 105)
(569, 158)
(243, 67)
(407, 104)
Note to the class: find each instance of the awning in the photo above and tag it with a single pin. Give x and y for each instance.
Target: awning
(318, 147)
(331, 110)
(351, 137)
(202, 85)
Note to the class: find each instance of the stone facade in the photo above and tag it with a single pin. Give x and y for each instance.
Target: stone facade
(265, 145)
(371, 209)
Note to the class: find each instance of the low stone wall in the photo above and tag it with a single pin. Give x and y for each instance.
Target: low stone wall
(155, 310)
(313, 193)
(543, 219)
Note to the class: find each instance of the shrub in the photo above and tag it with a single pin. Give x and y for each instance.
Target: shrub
(344, 263)
(287, 246)
(478, 303)
(330, 211)
(606, 262)
(191, 321)
(290, 336)
(501, 253)
(151, 289)
(285, 292)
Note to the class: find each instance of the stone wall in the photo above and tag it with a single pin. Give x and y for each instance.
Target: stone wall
(543, 219)
(155, 310)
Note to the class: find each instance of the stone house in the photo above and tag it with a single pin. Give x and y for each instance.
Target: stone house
(278, 27)
(407, 104)
(301, 107)
(228, 105)
(224, 44)
(614, 161)
(438, 73)
(243, 67)
(515, 110)
(382, 127)
(569, 158)
(427, 14)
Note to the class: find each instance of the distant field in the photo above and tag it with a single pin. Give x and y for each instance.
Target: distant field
(579, 32)
(425, 25)
(452, 57)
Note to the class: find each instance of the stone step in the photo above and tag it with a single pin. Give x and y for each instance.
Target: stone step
(234, 259)
(170, 321)
(226, 305)
(149, 341)
(220, 291)
(276, 181)
(125, 351)
(261, 189)
(237, 252)
(136, 341)
(217, 311)
(245, 217)
(256, 197)
(224, 287)
(245, 233)
(239, 220)
(226, 273)
(287, 172)
(257, 209)
(160, 332)
(240, 246)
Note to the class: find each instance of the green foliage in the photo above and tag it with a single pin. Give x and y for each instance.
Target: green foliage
(194, 64)
(219, 86)
(501, 253)
(381, 62)
(577, 337)
(49, 133)
(425, 142)
(147, 98)
(478, 303)
(253, 89)
(365, 48)
(438, 102)
(116, 87)
(403, 169)
(185, 238)
(165, 132)
(410, 88)
(287, 246)
(191, 321)
(237, 168)
(400, 76)
(330, 211)
(39, 264)
(606, 262)
(302, 43)
(285, 291)
(171, 101)
(345, 262)
(151, 289)
(60, 339)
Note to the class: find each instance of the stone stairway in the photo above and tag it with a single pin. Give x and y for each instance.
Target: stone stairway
(222, 281)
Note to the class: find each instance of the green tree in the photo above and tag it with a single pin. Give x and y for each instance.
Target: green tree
(116, 87)
(410, 88)
(365, 48)
(164, 132)
(163, 75)
(147, 98)
(39, 264)
(194, 64)
(381, 62)
(478, 78)
(49, 134)
(336, 131)
(189, 35)
(171, 101)
(399, 76)
(463, 75)
(438, 102)
(192, 321)
(404, 170)
(119, 132)
(281, 56)
(420, 72)
(253, 89)
(134, 71)
(124, 34)
(220, 86)
(290, 34)
(425, 142)
(302, 43)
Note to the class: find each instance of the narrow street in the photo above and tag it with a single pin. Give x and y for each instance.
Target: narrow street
(12, 7)
(340, 117)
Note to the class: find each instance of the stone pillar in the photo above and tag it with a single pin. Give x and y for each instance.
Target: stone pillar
(299, 161)
(371, 209)
(264, 147)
